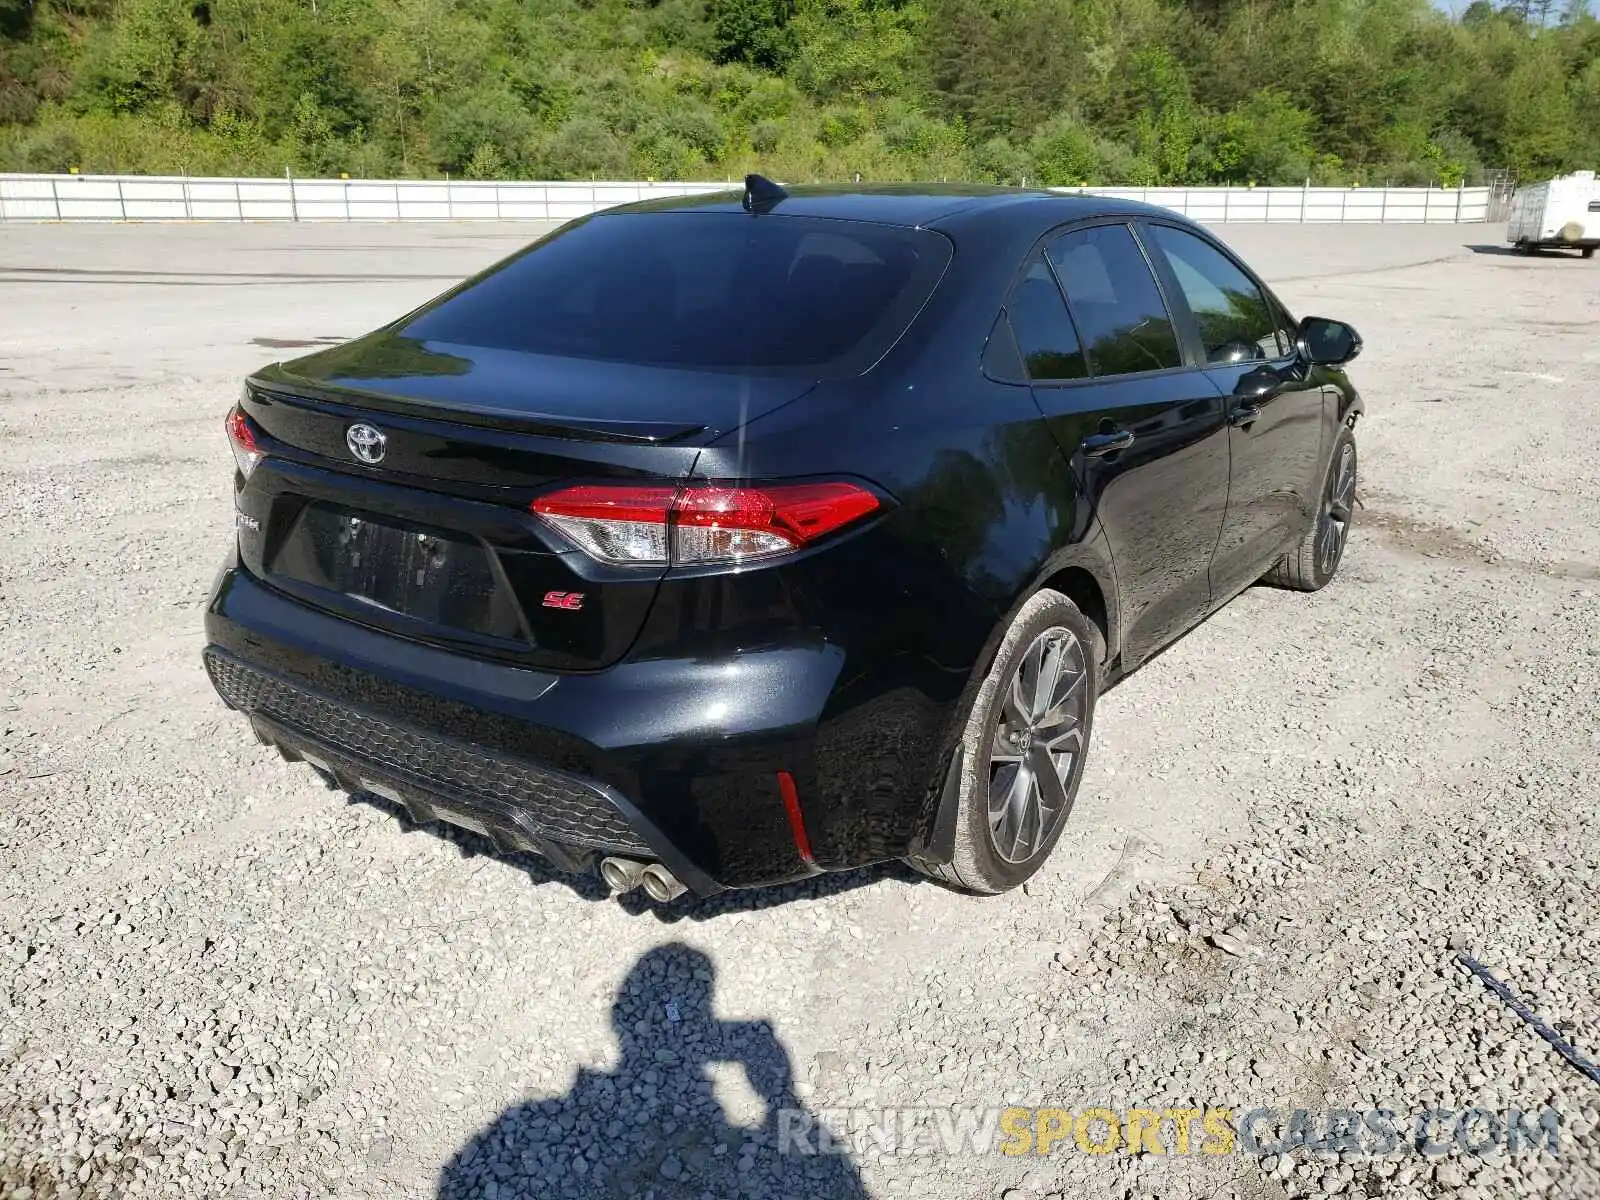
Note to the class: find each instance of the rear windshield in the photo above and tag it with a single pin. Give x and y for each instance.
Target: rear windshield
(720, 291)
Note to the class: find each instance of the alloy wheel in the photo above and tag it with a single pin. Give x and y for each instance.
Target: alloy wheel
(1337, 509)
(1037, 744)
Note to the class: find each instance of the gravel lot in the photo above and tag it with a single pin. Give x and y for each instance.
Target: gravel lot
(217, 977)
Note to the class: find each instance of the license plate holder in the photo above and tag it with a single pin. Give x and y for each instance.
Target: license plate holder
(397, 567)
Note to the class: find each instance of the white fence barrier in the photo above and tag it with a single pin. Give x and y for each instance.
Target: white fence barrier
(1437, 206)
(174, 198)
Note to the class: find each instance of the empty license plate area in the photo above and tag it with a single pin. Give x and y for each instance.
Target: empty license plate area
(414, 571)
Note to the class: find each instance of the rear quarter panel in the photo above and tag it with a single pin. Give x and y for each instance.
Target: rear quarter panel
(985, 510)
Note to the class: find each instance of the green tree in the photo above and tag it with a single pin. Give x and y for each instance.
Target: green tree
(490, 120)
(1109, 91)
(146, 57)
(583, 148)
(1064, 154)
(853, 48)
(751, 31)
(1267, 139)
(1004, 68)
(1536, 134)
(1166, 120)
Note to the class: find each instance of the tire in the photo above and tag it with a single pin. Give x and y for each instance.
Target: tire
(1315, 561)
(1588, 251)
(992, 857)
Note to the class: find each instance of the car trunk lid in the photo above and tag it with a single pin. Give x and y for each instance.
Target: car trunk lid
(398, 469)
(435, 539)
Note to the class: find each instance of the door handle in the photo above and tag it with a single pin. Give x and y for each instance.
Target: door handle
(1098, 445)
(1247, 408)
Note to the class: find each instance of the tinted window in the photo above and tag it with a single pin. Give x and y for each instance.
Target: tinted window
(1001, 358)
(1115, 301)
(700, 290)
(1044, 332)
(1236, 322)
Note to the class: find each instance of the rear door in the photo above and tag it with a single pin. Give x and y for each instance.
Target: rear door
(1143, 430)
(1275, 413)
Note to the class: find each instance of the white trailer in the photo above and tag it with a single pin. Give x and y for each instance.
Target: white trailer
(1562, 212)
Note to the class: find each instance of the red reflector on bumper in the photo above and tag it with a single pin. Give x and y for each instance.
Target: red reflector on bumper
(797, 824)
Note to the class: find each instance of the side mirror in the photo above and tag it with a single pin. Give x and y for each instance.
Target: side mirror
(1320, 340)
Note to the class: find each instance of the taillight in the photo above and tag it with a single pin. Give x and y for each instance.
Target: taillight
(613, 524)
(702, 522)
(242, 437)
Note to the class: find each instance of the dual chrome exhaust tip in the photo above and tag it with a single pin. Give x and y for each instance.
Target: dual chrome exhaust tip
(624, 874)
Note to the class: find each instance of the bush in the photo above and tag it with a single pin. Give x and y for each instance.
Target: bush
(681, 25)
(916, 135)
(751, 31)
(768, 99)
(52, 147)
(583, 148)
(852, 49)
(486, 163)
(691, 123)
(1453, 158)
(1267, 138)
(1064, 153)
(495, 120)
(765, 136)
(840, 126)
(668, 157)
(998, 161)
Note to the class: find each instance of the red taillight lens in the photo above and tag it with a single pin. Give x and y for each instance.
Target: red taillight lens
(702, 523)
(714, 524)
(242, 436)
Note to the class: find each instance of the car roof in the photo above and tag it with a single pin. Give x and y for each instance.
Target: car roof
(910, 204)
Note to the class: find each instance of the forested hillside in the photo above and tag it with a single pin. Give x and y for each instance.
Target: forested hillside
(1053, 91)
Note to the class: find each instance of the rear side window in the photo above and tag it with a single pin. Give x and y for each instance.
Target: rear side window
(1045, 336)
(1114, 300)
(1235, 321)
(720, 291)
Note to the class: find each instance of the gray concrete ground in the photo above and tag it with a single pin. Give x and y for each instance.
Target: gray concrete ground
(217, 977)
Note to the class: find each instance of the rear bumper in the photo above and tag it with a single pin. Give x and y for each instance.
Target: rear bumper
(672, 760)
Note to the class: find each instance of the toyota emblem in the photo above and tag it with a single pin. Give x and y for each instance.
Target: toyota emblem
(366, 443)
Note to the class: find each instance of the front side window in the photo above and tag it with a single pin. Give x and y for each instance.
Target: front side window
(1115, 301)
(1236, 322)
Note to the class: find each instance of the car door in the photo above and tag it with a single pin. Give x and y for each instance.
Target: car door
(1275, 413)
(1143, 431)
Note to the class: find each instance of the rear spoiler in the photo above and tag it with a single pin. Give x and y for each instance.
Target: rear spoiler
(595, 429)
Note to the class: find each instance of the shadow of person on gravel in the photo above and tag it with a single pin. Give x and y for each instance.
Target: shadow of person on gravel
(653, 1127)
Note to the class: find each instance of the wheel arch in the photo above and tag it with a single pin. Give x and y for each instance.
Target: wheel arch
(1078, 584)
(1351, 406)
(1085, 574)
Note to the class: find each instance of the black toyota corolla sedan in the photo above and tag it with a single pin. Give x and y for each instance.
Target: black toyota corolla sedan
(721, 541)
